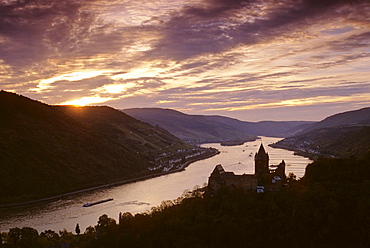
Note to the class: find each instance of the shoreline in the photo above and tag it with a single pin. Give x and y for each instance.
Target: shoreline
(310, 155)
(132, 180)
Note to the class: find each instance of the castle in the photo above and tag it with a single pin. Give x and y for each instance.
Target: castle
(263, 179)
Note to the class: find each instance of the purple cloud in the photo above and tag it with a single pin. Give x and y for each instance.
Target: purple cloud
(215, 28)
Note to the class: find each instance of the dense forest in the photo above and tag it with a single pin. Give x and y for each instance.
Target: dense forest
(328, 207)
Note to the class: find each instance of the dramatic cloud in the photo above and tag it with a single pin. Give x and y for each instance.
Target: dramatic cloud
(250, 59)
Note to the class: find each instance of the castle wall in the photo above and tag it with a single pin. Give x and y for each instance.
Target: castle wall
(221, 179)
(271, 180)
(246, 182)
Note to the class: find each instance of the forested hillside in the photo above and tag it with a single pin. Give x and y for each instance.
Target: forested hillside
(47, 150)
(349, 118)
(264, 128)
(191, 128)
(126, 130)
(203, 128)
(341, 141)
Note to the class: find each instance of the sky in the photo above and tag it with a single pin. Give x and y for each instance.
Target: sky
(248, 59)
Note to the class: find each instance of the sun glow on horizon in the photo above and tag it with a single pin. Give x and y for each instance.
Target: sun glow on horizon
(242, 59)
(115, 88)
(84, 101)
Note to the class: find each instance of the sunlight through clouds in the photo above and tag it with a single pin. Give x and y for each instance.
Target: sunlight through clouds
(86, 101)
(203, 56)
(136, 73)
(46, 84)
(115, 88)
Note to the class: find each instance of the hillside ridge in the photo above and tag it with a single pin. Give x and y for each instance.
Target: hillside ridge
(49, 150)
(203, 128)
(341, 135)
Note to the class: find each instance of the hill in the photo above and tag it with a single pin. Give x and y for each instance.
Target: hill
(341, 135)
(191, 128)
(126, 130)
(264, 128)
(48, 150)
(201, 128)
(341, 142)
(355, 117)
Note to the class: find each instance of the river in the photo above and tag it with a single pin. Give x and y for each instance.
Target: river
(141, 196)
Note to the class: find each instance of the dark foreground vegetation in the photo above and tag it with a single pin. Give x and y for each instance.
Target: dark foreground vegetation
(329, 207)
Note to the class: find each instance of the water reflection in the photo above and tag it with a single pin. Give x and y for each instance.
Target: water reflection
(142, 196)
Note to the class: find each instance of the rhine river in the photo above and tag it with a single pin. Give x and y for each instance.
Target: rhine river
(141, 196)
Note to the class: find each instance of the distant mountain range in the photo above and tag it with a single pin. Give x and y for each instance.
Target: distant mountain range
(340, 135)
(47, 150)
(264, 128)
(202, 128)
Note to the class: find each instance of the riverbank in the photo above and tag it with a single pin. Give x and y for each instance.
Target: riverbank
(132, 180)
(307, 153)
(142, 196)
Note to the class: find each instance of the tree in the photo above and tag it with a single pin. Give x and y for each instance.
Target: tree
(105, 221)
(105, 224)
(90, 230)
(49, 234)
(14, 235)
(125, 218)
(106, 231)
(25, 237)
(51, 237)
(291, 178)
(77, 229)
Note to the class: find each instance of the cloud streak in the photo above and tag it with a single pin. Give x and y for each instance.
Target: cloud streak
(222, 25)
(204, 56)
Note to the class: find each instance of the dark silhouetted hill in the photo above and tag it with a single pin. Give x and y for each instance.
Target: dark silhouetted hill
(355, 117)
(191, 128)
(341, 135)
(47, 150)
(126, 130)
(264, 128)
(201, 128)
(341, 141)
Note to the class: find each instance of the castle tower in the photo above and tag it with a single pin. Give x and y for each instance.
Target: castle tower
(261, 162)
(280, 170)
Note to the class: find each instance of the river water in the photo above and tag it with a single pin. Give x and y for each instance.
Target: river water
(141, 196)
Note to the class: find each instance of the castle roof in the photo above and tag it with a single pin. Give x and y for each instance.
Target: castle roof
(261, 154)
(218, 170)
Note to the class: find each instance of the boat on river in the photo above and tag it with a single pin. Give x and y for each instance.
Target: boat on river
(98, 202)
